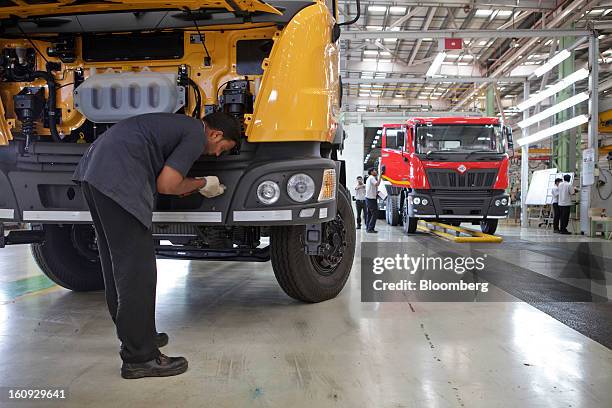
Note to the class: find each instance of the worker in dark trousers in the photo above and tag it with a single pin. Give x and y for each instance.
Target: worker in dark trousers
(372, 184)
(360, 194)
(555, 205)
(566, 190)
(120, 175)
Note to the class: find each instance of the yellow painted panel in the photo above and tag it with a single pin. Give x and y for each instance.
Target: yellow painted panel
(23, 9)
(299, 95)
(5, 131)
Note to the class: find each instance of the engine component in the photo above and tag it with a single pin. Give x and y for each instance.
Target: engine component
(111, 97)
(237, 99)
(63, 48)
(17, 64)
(29, 104)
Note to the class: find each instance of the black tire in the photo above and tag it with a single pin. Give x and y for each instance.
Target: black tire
(68, 256)
(392, 208)
(315, 279)
(409, 224)
(488, 226)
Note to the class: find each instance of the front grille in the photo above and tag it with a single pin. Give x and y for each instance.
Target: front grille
(475, 179)
(472, 203)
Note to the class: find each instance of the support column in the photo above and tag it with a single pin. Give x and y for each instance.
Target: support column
(353, 152)
(525, 163)
(593, 131)
(490, 111)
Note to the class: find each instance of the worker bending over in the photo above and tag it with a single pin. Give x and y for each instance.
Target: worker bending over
(120, 174)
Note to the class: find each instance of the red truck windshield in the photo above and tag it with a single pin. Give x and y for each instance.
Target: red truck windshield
(459, 138)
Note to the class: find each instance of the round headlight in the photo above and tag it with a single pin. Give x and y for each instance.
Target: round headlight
(416, 200)
(300, 187)
(504, 201)
(268, 192)
(425, 201)
(497, 203)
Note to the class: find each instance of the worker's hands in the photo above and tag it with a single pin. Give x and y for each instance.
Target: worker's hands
(212, 188)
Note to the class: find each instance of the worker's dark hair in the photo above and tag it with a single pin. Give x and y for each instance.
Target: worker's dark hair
(371, 170)
(359, 177)
(567, 178)
(558, 180)
(225, 123)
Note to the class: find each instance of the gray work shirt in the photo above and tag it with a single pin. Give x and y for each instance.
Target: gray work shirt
(124, 162)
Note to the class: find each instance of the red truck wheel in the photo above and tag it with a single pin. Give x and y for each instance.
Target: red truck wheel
(309, 278)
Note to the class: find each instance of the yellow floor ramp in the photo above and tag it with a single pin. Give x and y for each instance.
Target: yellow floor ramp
(456, 234)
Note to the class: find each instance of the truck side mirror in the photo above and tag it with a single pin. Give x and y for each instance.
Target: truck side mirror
(383, 169)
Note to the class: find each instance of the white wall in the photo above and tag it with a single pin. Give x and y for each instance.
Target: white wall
(353, 153)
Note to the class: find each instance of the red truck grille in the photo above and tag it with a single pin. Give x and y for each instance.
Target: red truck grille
(471, 179)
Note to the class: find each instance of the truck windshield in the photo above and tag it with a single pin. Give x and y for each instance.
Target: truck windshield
(459, 138)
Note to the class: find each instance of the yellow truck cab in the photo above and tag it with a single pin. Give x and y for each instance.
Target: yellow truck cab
(69, 70)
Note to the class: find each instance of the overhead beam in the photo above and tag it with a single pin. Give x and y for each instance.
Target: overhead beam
(498, 5)
(463, 80)
(437, 34)
(400, 21)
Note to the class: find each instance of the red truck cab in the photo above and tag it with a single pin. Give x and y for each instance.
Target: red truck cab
(452, 169)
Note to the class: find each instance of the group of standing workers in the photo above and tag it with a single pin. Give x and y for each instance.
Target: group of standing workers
(366, 200)
(562, 202)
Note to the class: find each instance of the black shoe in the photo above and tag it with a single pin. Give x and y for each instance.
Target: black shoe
(359, 227)
(162, 366)
(161, 339)
(372, 231)
(556, 231)
(565, 233)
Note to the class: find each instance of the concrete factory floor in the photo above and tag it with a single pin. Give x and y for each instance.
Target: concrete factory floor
(248, 344)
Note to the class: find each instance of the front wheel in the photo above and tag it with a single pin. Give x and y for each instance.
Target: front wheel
(488, 226)
(69, 257)
(393, 215)
(409, 224)
(315, 278)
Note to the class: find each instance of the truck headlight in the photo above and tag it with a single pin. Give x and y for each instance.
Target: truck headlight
(300, 187)
(416, 200)
(497, 203)
(425, 201)
(504, 201)
(328, 187)
(268, 192)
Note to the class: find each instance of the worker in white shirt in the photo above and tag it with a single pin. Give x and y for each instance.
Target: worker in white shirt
(372, 184)
(555, 205)
(360, 206)
(566, 190)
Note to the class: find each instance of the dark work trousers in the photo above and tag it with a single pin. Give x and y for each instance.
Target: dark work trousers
(372, 208)
(361, 208)
(556, 216)
(127, 255)
(564, 211)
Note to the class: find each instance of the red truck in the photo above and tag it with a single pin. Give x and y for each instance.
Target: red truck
(452, 170)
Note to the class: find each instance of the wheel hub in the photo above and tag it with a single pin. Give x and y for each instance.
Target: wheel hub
(84, 241)
(332, 247)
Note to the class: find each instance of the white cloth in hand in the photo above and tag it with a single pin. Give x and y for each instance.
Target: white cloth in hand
(212, 188)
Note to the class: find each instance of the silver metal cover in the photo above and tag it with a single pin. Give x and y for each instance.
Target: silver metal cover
(111, 97)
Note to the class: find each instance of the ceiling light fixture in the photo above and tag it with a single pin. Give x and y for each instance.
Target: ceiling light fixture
(553, 62)
(555, 88)
(436, 64)
(551, 131)
(560, 107)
